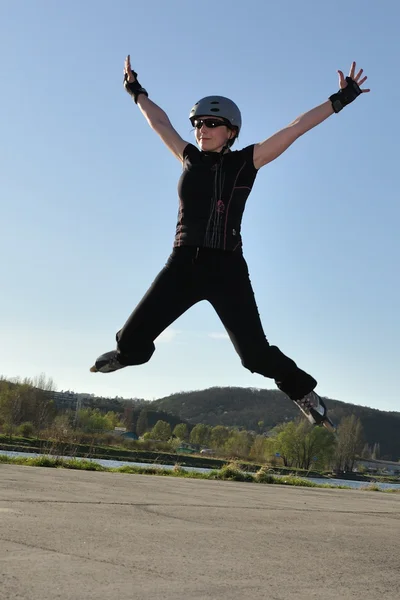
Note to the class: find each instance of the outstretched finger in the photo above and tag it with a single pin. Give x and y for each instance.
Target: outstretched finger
(357, 77)
(342, 82)
(352, 70)
(362, 81)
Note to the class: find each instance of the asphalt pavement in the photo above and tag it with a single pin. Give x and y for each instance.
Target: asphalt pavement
(80, 535)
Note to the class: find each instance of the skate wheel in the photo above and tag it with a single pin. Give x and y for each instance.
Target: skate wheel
(93, 369)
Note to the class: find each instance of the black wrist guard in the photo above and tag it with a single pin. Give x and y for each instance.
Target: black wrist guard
(134, 89)
(346, 95)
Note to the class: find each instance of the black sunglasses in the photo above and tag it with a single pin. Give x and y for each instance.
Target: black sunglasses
(210, 123)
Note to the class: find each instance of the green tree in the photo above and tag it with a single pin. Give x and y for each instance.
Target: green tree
(219, 436)
(319, 447)
(239, 444)
(32, 401)
(61, 427)
(301, 445)
(26, 429)
(349, 443)
(92, 421)
(200, 434)
(260, 449)
(142, 424)
(161, 431)
(114, 419)
(285, 442)
(11, 408)
(181, 431)
(42, 389)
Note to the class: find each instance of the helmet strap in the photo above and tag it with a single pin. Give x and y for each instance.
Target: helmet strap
(227, 144)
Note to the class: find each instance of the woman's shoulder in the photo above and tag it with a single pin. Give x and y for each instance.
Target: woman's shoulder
(191, 151)
(244, 157)
(246, 151)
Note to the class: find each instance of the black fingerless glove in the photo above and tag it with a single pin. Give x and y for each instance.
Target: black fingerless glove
(346, 95)
(134, 89)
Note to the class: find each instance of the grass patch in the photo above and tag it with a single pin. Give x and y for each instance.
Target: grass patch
(373, 487)
(53, 462)
(232, 472)
(262, 476)
(229, 472)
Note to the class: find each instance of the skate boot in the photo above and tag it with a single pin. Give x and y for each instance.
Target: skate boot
(314, 409)
(107, 363)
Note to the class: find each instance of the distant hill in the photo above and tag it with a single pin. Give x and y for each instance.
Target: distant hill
(246, 407)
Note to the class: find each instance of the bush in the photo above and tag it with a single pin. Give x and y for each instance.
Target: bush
(263, 477)
(233, 472)
(26, 429)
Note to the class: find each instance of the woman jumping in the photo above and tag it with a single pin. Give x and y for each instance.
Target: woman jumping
(207, 262)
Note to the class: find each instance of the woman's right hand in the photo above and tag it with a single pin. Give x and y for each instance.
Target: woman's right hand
(129, 75)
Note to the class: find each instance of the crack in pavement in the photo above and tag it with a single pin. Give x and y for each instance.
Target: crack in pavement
(80, 556)
(148, 505)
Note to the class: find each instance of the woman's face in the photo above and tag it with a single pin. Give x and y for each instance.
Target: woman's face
(211, 139)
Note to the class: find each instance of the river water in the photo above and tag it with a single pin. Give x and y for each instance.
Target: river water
(121, 463)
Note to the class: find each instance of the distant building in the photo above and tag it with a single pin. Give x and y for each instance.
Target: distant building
(67, 400)
(123, 433)
(186, 448)
(64, 400)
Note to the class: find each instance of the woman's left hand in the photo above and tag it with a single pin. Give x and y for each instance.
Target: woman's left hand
(357, 78)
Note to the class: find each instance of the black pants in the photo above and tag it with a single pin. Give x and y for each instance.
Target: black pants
(191, 275)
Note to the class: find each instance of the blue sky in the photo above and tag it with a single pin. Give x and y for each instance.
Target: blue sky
(89, 200)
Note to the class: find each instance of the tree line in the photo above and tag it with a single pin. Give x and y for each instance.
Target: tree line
(295, 444)
(26, 408)
(246, 407)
